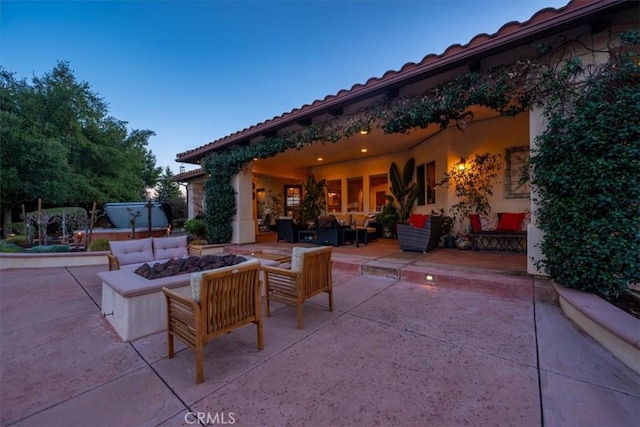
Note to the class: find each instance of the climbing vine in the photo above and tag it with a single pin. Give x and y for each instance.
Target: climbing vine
(586, 169)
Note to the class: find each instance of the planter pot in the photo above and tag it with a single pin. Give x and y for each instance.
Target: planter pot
(463, 242)
(450, 242)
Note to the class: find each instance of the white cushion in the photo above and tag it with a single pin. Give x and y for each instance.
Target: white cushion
(170, 247)
(488, 222)
(297, 253)
(196, 278)
(132, 251)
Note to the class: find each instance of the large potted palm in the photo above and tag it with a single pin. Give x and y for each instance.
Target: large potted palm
(314, 201)
(403, 189)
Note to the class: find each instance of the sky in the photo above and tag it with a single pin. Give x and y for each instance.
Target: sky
(196, 71)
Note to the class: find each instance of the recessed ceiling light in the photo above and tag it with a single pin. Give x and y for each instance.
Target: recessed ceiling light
(320, 159)
(363, 150)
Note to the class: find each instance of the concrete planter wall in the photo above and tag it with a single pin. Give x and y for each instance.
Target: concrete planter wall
(614, 329)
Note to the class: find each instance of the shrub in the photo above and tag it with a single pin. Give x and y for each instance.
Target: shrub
(177, 223)
(195, 227)
(586, 169)
(48, 249)
(19, 240)
(10, 248)
(16, 227)
(99, 245)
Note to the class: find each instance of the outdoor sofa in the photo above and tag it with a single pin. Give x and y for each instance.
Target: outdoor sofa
(152, 250)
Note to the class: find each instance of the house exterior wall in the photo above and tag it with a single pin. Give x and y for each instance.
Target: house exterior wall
(445, 148)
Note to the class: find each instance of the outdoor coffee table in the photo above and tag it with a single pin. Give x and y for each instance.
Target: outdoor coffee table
(356, 235)
(307, 236)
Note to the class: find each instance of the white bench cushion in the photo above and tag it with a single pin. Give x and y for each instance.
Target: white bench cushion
(132, 251)
(170, 247)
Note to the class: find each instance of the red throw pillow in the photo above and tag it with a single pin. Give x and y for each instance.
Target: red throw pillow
(418, 220)
(476, 227)
(510, 221)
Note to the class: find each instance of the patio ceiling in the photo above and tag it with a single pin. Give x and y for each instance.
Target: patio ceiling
(376, 142)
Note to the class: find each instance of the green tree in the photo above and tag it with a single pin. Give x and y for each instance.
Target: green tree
(60, 145)
(169, 192)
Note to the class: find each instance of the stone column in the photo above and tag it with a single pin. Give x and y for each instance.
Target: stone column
(537, 125)
(243, 222)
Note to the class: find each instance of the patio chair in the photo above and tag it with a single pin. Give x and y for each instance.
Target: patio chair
(310, 274)
(221, 301)
(420, 239)
(329, 231)
(287, 229)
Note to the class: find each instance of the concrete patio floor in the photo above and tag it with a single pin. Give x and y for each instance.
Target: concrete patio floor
(392, 353)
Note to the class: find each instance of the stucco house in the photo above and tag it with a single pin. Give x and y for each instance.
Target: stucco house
(356, 164)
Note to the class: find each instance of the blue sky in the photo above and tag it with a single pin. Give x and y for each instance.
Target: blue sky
(195, 71)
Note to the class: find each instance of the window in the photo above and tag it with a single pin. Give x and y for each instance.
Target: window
(355, 195)
(292, 200)
(334, 195)
(427, 180)
(378, 185)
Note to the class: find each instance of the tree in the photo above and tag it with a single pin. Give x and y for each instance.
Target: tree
(473, 184)
(59, 145)
(169, 192)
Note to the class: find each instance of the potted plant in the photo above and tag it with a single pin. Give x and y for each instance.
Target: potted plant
(448, 240)
(473, 185)
(403, 189)
(388, 218)
(270, 210)
(314, 201)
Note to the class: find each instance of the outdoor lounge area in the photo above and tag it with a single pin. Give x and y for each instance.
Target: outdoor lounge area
(475, 347)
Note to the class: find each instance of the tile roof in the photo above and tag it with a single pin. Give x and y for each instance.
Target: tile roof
(511, 33)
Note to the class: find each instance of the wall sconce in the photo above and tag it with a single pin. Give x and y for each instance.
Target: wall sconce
(168, 229)
(182, 169)
(460, 166)
(464, 120)
(364, 131)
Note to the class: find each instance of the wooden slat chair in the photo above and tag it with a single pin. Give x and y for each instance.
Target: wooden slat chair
(310, 274)
(222, 300)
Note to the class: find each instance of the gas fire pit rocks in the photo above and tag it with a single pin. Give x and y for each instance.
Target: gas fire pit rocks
(187, 265)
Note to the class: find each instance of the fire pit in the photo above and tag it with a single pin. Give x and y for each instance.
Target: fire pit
(187, 265)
